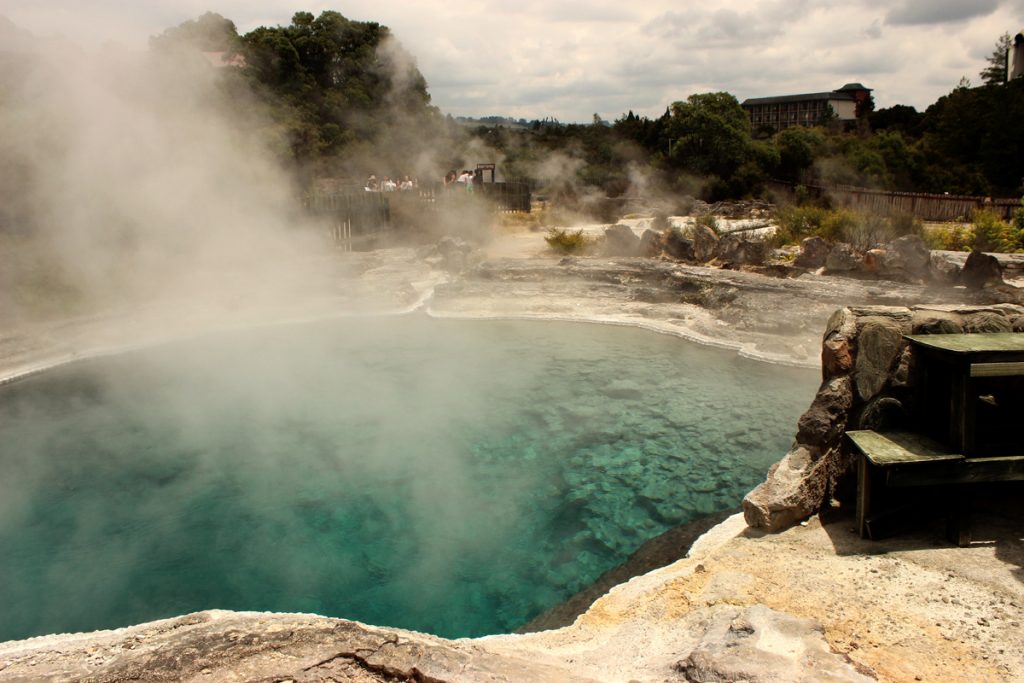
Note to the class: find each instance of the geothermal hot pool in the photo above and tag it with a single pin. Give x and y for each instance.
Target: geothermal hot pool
(451, 477)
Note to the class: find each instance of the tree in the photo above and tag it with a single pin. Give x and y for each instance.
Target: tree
(711, 133)
(798, 148)
(996, 71)
(210, 33)
(899, 117)
(330, 81)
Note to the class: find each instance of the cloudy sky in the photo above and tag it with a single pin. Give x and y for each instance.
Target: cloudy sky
(569, 60)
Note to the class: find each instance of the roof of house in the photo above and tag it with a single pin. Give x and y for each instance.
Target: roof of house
(807, 97)
(844, 93)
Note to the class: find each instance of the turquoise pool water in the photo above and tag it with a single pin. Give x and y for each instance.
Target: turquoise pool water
(451, 477)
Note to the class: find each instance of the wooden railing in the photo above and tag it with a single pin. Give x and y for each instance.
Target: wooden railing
(505, 196)
(357, 218)
(928, 207)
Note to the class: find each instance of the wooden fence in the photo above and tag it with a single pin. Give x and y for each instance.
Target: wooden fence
(358, 219)
(928, 207)
(505, 196)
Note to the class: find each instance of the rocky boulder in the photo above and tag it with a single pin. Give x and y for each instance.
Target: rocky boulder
(842, 258)
(620, 240)
(825, 420)
(738, 250)
(878, 346)
(651, 243)
(453, 254)
(794, 490)
(705, 243)
(678, 244)
(907, 259)
(813, 253)
(981, 270)
(945, 266)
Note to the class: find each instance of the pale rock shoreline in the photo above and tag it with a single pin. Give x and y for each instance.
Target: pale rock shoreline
(811, 603)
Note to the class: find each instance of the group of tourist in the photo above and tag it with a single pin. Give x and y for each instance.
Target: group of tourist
(454, 179)
(389, 185)
(467, 179)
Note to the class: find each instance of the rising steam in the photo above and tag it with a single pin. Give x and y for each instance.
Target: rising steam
(136, 176)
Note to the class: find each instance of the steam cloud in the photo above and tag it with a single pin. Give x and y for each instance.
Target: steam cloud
(131, 177)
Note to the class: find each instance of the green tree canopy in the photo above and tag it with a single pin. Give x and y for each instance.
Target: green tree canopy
(332, 82)
(996, 71)
(209, 33)
(711, 134)
(798, 148)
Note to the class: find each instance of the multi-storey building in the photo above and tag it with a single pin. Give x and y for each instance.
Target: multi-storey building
(808, 109)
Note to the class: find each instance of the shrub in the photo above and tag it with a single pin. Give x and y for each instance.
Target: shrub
(708, 221)
(992, 233)
(862, 230)
(567, 242)
(1017, 223)
(906, 224)
(956, 238)
(842, 225)
(794, 223)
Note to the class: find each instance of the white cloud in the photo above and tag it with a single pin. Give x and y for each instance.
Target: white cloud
(541, 58)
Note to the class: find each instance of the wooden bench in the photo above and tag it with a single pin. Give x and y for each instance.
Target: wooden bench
(905, 459)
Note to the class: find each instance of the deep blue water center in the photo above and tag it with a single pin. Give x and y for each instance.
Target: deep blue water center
(451, 477)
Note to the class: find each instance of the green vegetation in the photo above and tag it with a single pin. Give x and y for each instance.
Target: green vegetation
(995, 73)
(987, 232)
(862, 230)
(568, 241)
(338, 98)
(333, 89)
(707, 221)
(339, 90)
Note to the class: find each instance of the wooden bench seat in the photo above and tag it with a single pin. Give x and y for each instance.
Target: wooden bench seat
(906, 459)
